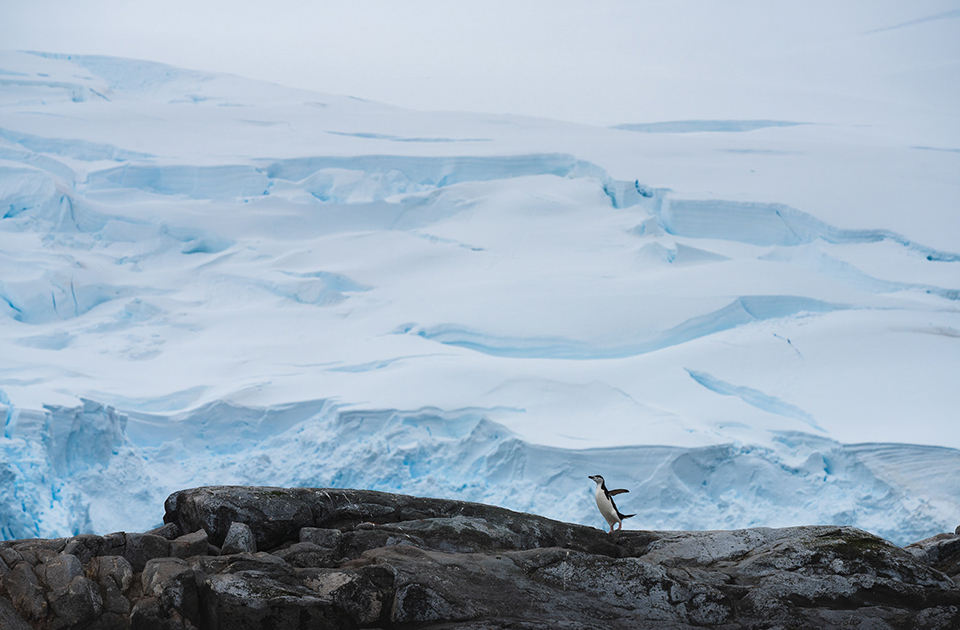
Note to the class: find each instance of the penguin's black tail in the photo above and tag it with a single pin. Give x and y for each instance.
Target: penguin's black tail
(624, 517)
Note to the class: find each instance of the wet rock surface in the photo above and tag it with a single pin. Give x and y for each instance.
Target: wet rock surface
(250, 558)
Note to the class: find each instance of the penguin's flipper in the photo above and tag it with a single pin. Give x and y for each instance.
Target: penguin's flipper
(624, 517)
(614, 493)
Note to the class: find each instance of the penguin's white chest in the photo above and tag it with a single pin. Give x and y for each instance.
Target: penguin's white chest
(606, 507)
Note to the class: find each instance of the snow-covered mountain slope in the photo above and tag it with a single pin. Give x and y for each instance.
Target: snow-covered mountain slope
(205, 279)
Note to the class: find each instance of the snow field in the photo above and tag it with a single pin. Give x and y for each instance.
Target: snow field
(210, 280)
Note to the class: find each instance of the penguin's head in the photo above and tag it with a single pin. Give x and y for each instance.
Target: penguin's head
(596, 478)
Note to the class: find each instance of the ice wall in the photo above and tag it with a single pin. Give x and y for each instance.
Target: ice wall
(92, 469)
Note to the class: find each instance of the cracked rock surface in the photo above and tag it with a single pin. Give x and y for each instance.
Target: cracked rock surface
(242, 558)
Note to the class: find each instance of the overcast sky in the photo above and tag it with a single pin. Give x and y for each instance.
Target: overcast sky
(596, 61)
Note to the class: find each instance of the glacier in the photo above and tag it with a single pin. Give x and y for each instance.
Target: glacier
(91, 468)
(206, 279)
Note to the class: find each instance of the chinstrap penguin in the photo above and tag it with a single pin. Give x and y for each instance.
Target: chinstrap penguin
(607, 507)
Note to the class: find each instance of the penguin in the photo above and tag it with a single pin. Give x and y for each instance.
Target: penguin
(607, 507)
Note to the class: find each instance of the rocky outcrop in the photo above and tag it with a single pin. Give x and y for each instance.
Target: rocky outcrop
(941, 552)
(249, 558)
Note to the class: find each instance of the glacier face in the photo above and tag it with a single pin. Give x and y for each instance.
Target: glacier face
(89, 468)
(209, 280)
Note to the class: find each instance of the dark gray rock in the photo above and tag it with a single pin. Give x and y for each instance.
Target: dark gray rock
(23, 589)
(938, 618)
(10, 556)
(172, 581)
(278, 513)
(139, 548)
(114, 600)
(239, 539)
(941, 551)
(545, 586)
(111, 621)
(87, 546)
(326, 538)
(308, 555)
(77, 603)
(260, 561)
(115, 576)
(34, 552)
(188, 545)
(59, 571)
(170, 531)
(111, 569)
(148, 614)
(248, 601)
(36, 546)
(459, 534)
(9, 619)
(444, 552)
(817, 576)
(260, 590)
(118, 541)
(28, 556)
(364, 593)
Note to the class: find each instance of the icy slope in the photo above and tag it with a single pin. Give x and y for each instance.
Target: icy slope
(486, 307)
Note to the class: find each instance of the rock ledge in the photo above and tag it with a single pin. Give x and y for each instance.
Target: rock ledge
(242, 558)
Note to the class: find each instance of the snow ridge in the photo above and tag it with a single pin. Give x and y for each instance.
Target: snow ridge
(753, 397)
(743, 310)
(772, 224)
(700, 126)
